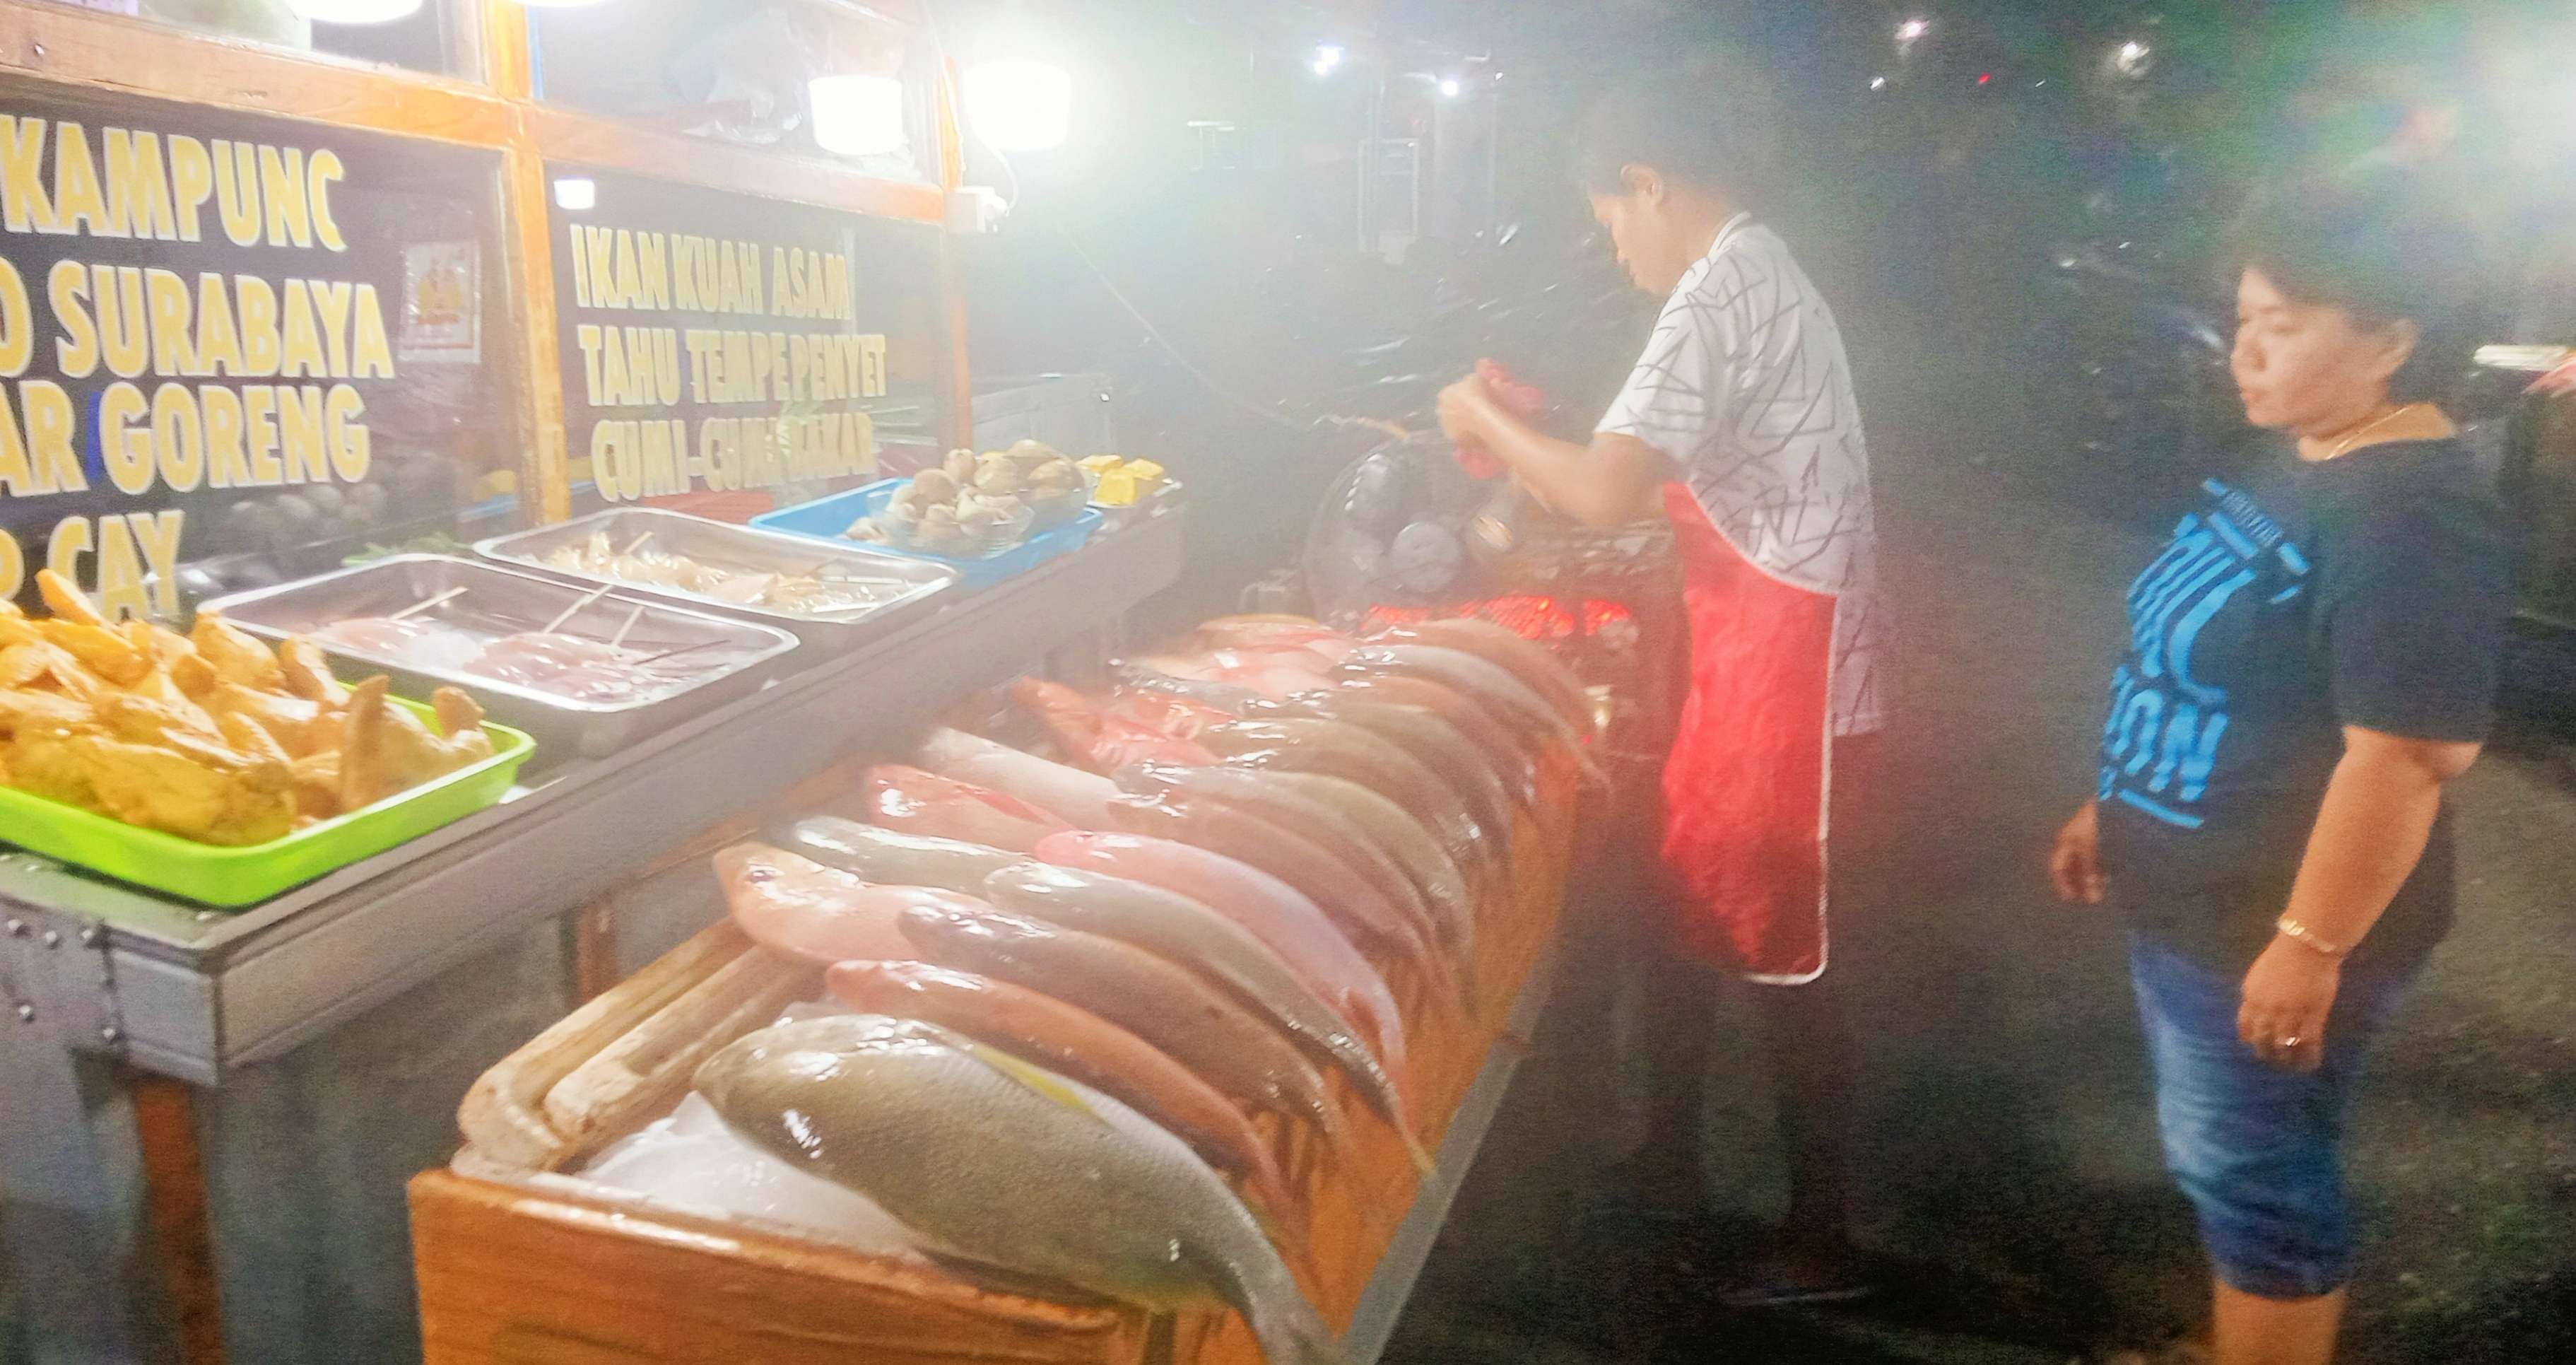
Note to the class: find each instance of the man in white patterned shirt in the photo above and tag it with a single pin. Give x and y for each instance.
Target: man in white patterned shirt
(1739, 424)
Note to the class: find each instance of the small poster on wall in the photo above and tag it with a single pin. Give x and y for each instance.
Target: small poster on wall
(442, 302)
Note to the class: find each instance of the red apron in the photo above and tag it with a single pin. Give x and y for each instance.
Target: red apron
(1747, 786)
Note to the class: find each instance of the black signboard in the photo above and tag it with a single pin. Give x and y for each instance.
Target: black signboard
(234, 349)
(719, 345)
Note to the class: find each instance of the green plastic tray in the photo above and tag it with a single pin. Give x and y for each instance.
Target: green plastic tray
(232, 877)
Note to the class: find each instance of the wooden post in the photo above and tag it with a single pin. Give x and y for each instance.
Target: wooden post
(174, 1195)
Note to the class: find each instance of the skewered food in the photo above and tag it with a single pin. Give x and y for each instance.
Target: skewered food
(643, 565)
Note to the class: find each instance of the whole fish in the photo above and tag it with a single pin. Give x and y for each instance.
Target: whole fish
(1325, 644)
(800, 907)
(1278, 914)
(1101, 739)
(1079, 1044)
(1184, 931)
(1224, 695)
(1358, 907)
(1405, 838)
(1347, 751)
(1155, 1000)
(1260, 792)
(1472, 718)
(892, 857)
(1490, 683)
(1489, 782)
(978, 1154)
(1527, 660)
(1080, 798)
(915, 802)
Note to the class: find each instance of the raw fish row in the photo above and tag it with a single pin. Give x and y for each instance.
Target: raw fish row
(1175, 925)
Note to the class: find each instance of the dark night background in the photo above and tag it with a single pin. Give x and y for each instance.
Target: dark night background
(2025, 425)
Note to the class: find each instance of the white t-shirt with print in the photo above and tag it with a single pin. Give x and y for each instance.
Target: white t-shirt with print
(1746, 389)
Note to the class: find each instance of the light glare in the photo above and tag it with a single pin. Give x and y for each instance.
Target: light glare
(1328, 59)
(356, 11)
(576, 194)
(857, 115)
(1912, 29)
(1020, 105)
(1449, 87)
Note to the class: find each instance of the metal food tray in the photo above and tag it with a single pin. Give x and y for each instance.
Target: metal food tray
(914, 583)
(499, 602)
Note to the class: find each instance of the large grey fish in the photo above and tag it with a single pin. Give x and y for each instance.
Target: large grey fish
(1228, 1046)
(1192, 934)
(891, 857)
(991, 1160)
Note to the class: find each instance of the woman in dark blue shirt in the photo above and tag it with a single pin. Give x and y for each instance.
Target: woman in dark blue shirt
(2312, 660)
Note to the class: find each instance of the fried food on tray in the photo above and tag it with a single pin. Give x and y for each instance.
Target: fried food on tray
(210, 736)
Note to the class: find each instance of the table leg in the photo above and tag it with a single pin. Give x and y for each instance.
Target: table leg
(174, 1195)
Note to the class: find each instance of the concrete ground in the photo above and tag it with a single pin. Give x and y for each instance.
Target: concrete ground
(2010, 1171)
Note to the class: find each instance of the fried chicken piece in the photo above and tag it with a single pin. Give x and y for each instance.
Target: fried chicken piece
(66, 601)
(23, 712)
(99, 649)
(248, 738)
(21, 664)
(308, 674)
(386, 749)
(299, 726)
(144, 720)
(201, 791)
(317, 785)
(460, 717)
(193, 675)
(237, 654)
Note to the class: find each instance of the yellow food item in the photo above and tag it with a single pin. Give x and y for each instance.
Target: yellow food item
(1117, 489)
(211, 736)
(1146, 471)
(1100, 464)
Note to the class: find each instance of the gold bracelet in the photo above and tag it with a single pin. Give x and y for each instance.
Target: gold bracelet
(2308, 938)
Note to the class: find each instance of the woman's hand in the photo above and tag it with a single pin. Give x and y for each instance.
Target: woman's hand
(2287, 998)
(1464, 408)
(2075, 866)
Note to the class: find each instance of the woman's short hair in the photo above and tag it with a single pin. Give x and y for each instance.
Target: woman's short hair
(2382, 246)
(1709, 125)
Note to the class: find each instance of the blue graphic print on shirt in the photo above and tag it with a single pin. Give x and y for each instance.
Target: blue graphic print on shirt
(2171, 703)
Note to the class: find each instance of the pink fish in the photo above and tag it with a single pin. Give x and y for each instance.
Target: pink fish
(1103, 738)
(1078, 798)
(915, 802)
(1275, 912)
(798, 906)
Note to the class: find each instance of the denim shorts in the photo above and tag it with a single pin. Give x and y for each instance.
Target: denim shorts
(2258, 1150)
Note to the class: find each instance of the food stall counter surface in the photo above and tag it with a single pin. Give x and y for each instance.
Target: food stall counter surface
(196, 993)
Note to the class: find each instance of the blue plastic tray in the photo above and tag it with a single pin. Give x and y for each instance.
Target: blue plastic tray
(827, 518)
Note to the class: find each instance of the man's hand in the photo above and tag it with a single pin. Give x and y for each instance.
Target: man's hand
(2288, 995)
(1465, 407)
(2075, 865)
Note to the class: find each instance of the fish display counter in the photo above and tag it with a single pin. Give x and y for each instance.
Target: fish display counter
(1152, 1015)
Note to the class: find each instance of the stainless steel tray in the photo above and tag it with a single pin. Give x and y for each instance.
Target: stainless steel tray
(910, 585)
(498, 602)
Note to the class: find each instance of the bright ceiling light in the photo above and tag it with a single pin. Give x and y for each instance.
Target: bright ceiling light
(355, 11)
(1912, 29)
(857, 115)
(1328, 59)
(576, 194)
(1878, 82)
(2132, 58)
(1449, 87)
(1020, 105)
